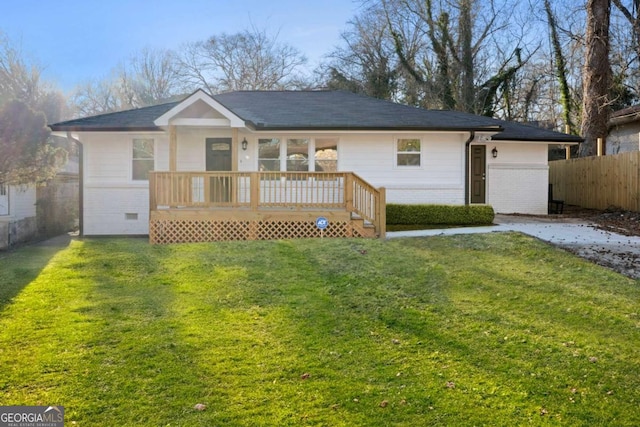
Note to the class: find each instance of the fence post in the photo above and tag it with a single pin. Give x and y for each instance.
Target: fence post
(600, 146)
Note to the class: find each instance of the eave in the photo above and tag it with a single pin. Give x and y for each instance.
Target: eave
(55, 128)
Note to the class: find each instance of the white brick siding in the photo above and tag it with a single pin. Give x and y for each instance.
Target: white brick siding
(106, 209)
(518, 188)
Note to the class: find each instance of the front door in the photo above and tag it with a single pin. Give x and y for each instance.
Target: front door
(478, 173)
(219, 160)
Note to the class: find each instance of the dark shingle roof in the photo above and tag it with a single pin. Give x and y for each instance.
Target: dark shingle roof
(139, 119)
(522, 132)
(321, 110)
(337, 110)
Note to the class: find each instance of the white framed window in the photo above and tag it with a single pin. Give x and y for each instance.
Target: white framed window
(268, 154)
(326, 155)
(298, 154)
(408, 152)
(142, 158)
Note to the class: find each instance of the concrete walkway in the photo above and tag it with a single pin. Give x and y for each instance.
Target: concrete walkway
(619, 252)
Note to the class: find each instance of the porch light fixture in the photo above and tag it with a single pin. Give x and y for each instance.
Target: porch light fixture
(244, 143)
(494, 152)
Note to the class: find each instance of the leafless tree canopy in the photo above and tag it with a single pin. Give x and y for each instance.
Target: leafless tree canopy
(27, 154)
(249, 60)
(509, 59)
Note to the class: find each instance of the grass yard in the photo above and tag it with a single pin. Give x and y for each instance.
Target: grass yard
(496, 329)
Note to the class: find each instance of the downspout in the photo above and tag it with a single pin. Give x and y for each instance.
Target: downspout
(467, 196)
(80, 183)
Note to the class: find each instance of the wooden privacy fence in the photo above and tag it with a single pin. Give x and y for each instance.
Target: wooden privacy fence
(598, 182)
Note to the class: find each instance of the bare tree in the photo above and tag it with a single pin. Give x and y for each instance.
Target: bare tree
(632, 15)
(248, 60)
(453, 67)
(596, 75)
(18, 79)
(150, 76)
(365, 62)
(21, 79)
(27, 154)
(97, 97)
(561, 69)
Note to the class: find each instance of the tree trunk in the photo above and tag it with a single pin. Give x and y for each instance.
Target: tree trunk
(596, 76)
(466, 55)
(561, 70)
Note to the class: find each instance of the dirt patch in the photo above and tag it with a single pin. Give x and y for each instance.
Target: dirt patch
(625, 258)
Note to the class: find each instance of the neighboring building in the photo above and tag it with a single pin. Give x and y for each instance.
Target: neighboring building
(17, 214)
(30, 212)
(624, 131)
(216, 158)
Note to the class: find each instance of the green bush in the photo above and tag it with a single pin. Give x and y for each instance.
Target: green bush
(439, 214)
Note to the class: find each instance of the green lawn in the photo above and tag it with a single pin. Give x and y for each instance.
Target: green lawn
(496, 329)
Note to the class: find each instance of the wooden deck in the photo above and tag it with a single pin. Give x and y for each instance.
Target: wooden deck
(212, 206)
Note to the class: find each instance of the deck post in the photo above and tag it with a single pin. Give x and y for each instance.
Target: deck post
(173, 148)
(254, 178)
(381, 213)
(348, 192)
(153, 205)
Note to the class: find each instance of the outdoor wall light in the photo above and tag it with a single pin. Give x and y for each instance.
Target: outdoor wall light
(494, 152)
(245, 143)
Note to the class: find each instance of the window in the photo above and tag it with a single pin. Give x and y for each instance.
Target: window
(3, 189)
(298, 155)
(142, 160)
(269, 154)
(408, 152)
(326, 158)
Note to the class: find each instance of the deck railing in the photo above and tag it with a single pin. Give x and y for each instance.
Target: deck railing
(264, 190)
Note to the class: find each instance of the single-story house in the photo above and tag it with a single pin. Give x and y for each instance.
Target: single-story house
(267, 164)
(624, 131)
(17, 214)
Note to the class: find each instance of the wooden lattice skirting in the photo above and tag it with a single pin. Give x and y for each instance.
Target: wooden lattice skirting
(176, 230)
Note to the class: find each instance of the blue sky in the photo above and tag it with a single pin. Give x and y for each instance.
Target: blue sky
(80, 40)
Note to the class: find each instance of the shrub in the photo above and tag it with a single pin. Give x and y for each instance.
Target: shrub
(439, 214)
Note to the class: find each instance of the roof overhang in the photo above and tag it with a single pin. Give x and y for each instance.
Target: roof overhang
(57, 129)
(170, 117)
(624, 119)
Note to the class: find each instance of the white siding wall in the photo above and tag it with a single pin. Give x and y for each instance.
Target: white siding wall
(191, 147)
(439, 179)
(518, 179)
(109, 192)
